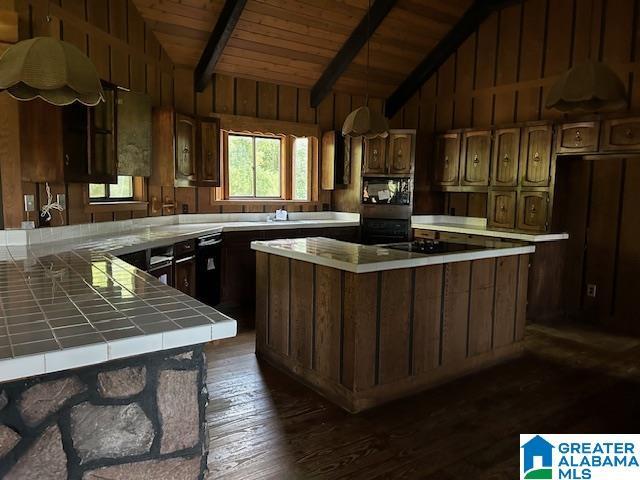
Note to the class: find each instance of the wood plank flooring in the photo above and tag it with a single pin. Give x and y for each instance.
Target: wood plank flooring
(264, 425)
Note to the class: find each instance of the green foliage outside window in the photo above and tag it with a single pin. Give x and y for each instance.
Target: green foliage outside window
(301, 169)
(254, 166)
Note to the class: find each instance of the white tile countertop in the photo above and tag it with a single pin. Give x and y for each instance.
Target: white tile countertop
(477, 226)
(67, 301)
(356, 258)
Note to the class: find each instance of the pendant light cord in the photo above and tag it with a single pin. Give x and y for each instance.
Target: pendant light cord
(366, 70)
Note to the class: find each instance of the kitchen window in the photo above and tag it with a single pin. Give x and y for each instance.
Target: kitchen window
(267, 167)
(123, 190)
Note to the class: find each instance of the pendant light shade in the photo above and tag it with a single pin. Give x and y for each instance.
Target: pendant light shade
(51, 69)
(588, 87)
(364, 122)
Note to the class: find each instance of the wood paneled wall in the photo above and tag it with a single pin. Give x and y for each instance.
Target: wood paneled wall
(502, 73)
(597, 203)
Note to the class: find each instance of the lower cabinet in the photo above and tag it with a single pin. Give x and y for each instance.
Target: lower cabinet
(185, 275)
(164, 273)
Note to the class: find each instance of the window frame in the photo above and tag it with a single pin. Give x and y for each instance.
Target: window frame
(254, 197)
(107, 190)
(286, 166)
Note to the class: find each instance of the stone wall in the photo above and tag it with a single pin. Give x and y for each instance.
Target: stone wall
(138, 418)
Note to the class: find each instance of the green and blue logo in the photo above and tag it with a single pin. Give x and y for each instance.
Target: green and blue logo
(537, 459)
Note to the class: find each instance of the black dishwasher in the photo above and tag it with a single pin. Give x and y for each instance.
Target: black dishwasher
(208, 256)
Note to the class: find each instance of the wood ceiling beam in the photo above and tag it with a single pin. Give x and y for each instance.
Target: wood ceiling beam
(350, 49)
(467, 25)
(215, 45)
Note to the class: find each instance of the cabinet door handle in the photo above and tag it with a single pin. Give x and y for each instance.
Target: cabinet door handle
(578, 136)
(476, 160)
(506, 158)
(536, 157)
(629, 133)
(185, 259)
(67, 160)
(185, 282)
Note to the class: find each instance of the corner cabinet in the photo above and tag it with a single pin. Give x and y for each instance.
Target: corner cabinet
(209, 161)
(447, 159)
(476, 156)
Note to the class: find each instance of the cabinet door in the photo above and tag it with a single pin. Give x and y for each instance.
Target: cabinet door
(164, 274)
(581, 137)
(375, 155)
(621, 134)
(401, 149)
(185, 275)
(238, 284)
(185, 153)
(535, 157)
(476, 151)
(506, 153)
(447, 159)
(209, 161)
(532, 211)
(502, 209)
(103, 163)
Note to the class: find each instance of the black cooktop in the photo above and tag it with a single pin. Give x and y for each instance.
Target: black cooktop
(432, 246)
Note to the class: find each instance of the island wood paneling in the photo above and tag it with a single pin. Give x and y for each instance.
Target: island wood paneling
(502, 73)
(364, 339)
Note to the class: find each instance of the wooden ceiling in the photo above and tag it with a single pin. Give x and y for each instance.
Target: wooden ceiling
(293, 41)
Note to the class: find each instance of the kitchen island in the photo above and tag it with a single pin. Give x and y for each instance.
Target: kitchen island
(363, 325)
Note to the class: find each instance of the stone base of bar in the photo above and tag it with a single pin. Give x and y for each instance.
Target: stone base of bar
(138, 418)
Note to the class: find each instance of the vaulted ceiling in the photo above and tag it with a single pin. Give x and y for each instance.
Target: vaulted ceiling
(293, 41)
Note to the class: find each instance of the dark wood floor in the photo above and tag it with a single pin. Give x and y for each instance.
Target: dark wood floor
(262, 424)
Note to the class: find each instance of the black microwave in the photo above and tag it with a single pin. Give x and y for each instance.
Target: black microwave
(386, 191)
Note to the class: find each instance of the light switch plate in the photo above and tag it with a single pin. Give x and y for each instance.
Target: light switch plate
(61, 198)
(591, 290)
(29, 203)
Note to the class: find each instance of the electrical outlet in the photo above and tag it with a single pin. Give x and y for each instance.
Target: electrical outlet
(185, 208)
(591, 290)
(61, 198)
(29, 203)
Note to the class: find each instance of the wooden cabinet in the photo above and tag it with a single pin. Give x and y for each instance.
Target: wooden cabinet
(401, 152)
(336, 160)
(621, 134)
(505, 157)
(89, 142)
(185, 275)
(533, 209)
(133, 133)
(447, 159)
(502, 209)
(209, 152)
(476, 155)
(375, 155)
(578, 137)
(40, 142)
(163, 272)
(185, 168)
(535, 156)
(238, 268)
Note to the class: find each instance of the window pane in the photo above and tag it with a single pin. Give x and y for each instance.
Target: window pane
(122, 189)
(97, 190)
(301, 169)
(267, 167)
(240, 166)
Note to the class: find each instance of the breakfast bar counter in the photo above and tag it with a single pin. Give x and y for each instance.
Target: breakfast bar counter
(363, 325)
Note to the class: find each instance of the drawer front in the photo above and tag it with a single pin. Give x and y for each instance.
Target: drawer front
(621, 134)
(533, 208)
(476, 151)
(502, 209)
(506, 155)
(578, 137)
(184, 248)
(447, 159)
(535, 157)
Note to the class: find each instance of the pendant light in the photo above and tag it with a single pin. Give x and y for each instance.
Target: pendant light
(53, 70)
(364, 122)
(588, 87)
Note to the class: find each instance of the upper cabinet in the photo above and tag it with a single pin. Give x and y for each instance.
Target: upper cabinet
(209, 159)
(336, 160)
(535, 157)
(476, 154)
(394, 155)
(185, 154)
(89, 141)
(401, 152)
(505, 158)
(447, 158)
(375, 155)
(621, 134)
(577, 137)
(133, 133)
